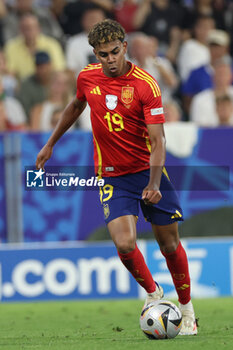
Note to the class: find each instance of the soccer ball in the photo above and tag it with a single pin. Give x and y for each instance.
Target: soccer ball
(161, 320)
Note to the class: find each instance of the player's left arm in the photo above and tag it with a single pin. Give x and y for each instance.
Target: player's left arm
(151, 193)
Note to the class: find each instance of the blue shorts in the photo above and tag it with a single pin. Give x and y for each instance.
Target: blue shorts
(122, 195)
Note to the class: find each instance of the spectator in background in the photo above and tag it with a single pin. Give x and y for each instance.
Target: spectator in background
(219, 44)
(58, 96)
(229, 23)
(172, 111)
(69, 14)
(143, 51)
(20, 51)
(201, 78)
(57, 8)
(78, 52)
(203, 108)
(42, 3)
(9, 82)
(34, 89)
(194, 55)
(203, 8)
(3, 13)
(56, 115)
(106, 5)
(162, 19)
(195, 49)
(48, 23)
(12, 115)
(124, 12)
(224, 109)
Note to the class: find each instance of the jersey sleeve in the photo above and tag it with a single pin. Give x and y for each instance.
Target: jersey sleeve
(80, 94)
(152, 103)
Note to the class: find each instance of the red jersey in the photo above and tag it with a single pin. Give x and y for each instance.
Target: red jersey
(121, 107)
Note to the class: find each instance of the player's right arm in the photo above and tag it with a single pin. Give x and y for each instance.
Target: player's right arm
(69, 116)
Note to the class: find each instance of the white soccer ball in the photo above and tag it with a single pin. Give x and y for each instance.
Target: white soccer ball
(161, 320)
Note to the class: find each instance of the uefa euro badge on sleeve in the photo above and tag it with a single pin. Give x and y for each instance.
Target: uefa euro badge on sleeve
(111, 101)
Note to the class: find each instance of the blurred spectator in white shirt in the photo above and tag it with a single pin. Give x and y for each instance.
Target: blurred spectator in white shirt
(201, 78)
(12, 115)
(78, 51)
(194, 54)
(203, 107)
(143, 51)
(59, 96)
(56, 116)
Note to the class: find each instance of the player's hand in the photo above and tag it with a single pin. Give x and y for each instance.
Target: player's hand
(42, 157)
(151, 196)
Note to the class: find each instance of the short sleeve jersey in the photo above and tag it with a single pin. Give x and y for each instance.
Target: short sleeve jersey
(121, 108)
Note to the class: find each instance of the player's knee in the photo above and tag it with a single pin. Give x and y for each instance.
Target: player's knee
(126, 246)
(168, 239)
(170, 244)
(168, 248)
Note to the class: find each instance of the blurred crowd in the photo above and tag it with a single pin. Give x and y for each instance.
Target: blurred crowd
(185, 45)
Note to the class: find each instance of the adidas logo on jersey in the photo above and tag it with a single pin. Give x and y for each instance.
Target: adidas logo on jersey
(96, 91)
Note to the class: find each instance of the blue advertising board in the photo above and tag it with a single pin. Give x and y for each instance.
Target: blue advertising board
(74, 272)
(210, 266)
(94, 271)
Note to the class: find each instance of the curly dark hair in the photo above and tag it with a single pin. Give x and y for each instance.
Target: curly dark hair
(106, 31)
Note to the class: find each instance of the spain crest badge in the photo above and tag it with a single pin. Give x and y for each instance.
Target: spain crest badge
(127, 94)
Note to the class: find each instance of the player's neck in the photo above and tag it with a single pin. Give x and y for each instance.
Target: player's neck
(126, 67)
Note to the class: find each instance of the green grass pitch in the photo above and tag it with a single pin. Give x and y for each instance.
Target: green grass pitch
(107, 325)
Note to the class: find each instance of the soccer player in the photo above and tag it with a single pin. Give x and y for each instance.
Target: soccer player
(129, 154)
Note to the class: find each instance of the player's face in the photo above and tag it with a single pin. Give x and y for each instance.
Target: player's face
(112, 57)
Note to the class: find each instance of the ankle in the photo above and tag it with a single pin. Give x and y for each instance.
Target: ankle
(187, 306)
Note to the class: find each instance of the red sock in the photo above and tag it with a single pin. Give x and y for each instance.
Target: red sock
(135, 263)
(177, 264)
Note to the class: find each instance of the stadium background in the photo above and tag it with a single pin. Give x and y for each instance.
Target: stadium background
(49, 247)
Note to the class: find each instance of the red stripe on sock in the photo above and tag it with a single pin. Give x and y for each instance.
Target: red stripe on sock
(135, 263)
(177, 264)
